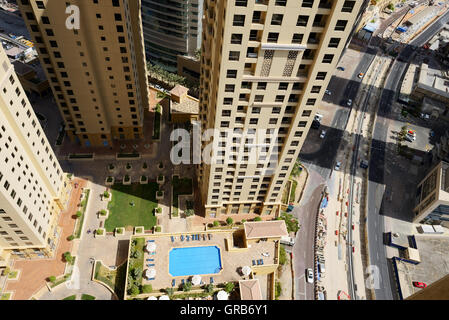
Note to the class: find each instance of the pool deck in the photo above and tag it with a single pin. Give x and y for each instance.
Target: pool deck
(231, 261)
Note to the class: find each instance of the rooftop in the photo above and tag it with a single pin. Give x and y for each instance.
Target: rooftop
(250, 290)
(179, 90)
(189, 105)
(265, 229)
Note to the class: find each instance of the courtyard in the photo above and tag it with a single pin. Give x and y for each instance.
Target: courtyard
(132, 205)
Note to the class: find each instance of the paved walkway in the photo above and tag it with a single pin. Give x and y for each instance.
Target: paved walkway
(33, 273)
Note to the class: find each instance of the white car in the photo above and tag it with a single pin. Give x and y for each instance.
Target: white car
(327, 92)
(337, 166)
(323, 134)
(349, 102)
(309, 275)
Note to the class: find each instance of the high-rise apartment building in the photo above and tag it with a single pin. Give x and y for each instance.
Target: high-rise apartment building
(265, 66)
(171, 28)
(97, 71)
(33, 187)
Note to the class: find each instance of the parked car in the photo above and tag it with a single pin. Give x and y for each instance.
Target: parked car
(315, 124)
(364, 164)
(327, 92)
(361, 74)
(349, 103)
(309, 275)
(418, 284)
(323, 134)
(337, 166)
(409, 138)
(341, 68)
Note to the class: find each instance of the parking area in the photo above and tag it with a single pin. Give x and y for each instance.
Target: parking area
(434, 254)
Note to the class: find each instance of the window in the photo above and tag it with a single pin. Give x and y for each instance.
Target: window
(334, 42)
(316, 89)
(261, 85)
(321, 75)
(302, 21)
(239, 20)
(328, 58)
(241, 3)
(281, 3)
(231, 74)
(234, 55)
(276, 19)
(236, 38)
(229, 88)
(348, 6)
(273, 37)
(307, 3)
(341, 25)
(297, 38)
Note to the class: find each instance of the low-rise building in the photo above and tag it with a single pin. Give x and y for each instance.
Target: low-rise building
(183, 108)
(432, 197)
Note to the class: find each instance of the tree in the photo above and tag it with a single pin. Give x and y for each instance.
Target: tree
(71, 237)
(134, 290)
(189, 212)
(137, 273)
(78, 214)
(187, 286)
(147, 288)
(257, 219)
(229, 221)
(229, 286)
(170, 291)
(52, 279)
(106, 194)
(243, 221)
(209, 288)
(282, 256)
(68, 257)
(216, 223)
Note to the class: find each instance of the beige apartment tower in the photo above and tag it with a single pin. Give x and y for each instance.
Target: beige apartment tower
(265, 66)
(97, 70)
(33, 187)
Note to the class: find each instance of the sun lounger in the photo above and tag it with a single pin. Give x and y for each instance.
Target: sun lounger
(152, 279)
(182, 281)
(172, 239)
(187, 238)
(173, 282)
(254, 262)
(198, 237)
(150, 241)
(258, 262)
(211, 280)
(182, 238)
(261, 261)
(152, 253)
(150, 265)
(204, 237)
(150, 259)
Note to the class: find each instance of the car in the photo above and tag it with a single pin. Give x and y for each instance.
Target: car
(360, 75)
(425, 116)
(341, 68)
(364, 164)
(418, 284)
(309, 275)
(349, 103)
(337, 166)
(323, 134)
(327, 92)
(316, 124)
(409, 138)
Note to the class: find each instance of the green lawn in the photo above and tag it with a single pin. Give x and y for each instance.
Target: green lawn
(70, 297)
(5, 296)
(122, 214)
(157, 123)
(180, 187)
(87, 297)
(115, 279)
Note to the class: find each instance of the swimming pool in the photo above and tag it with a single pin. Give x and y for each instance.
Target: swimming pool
(190, 261)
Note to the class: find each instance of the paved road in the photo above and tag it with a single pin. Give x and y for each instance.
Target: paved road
(323, 160)
(376, 185)
(305, 238)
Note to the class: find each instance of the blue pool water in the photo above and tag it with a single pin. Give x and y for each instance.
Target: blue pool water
(194, 260)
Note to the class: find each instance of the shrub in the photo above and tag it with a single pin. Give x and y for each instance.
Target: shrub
(68, 257)
(106, 194)
(216, 223)
(243, 221)
(158, 228)
(187, 286)
(134, 290)
(71, 237)
(282, 256)
(111, 166)
(161, 165)
(119, 230)
(109, 180)
(209, 288)
(52, 279)
(78, 214)
(128, 166)
(278, 290)
(126, 178)
(257, 219)
(229, 221)
(103, 212)
(159, 210)
(99, 231)
(159, 193)
(170, 291)
(189, 212)
(147, 288)
(229, 286)
(145, 166)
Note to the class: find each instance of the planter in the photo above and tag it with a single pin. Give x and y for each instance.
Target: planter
(100, 232)
(159, 195)
(139, 230)
(144, 166)
(127, 180)
(109, 181)
(128, 167)
(161, 180)
(157, 229)
(158, 211)
(119, 232)
(107, 199)
(101, 214)
(160, 166)
(143, 180)
(111, 168)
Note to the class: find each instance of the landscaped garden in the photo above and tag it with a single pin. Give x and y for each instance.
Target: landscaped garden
(134, 286)
(114, 279)
(132, 205)
(157, 122)
(180, 187)
(80, 214)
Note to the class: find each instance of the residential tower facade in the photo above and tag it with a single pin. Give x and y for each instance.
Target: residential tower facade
(265, 66)
(96, 69)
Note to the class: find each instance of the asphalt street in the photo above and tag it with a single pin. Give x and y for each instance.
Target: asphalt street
(376, 187)
(323, 160)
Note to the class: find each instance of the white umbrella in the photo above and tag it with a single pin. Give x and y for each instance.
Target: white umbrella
(150, 273)
(152, 298)
(164, 297)
(246, 270)
(196, 280)
(222, 295)
(151, 246)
